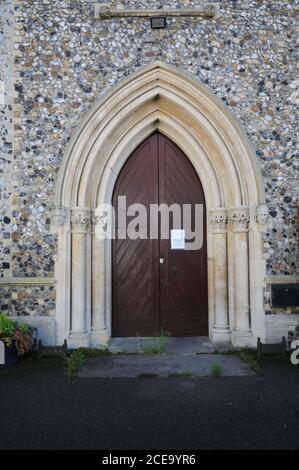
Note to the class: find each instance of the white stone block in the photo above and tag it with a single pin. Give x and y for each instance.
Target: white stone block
(46, 327)
(2, 353)
(278, 326)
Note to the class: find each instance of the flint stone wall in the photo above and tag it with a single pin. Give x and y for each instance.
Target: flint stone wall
(65, 60)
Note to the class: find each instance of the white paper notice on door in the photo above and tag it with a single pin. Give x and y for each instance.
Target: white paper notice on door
(177, 238)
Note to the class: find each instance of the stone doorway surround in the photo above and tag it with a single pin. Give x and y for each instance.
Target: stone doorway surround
(161, 98)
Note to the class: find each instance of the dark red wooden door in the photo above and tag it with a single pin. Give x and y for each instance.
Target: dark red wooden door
(155, 286)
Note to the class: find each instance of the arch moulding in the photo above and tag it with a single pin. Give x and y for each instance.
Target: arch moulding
(160, 98)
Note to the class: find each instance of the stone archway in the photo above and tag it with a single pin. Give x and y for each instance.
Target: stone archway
(160, 98)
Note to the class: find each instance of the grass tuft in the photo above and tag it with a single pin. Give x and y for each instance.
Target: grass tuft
(185, 373)
(78, 358)
(74, 361)
(156, 345)
(94, 352)
(248, 356)
(216, 369)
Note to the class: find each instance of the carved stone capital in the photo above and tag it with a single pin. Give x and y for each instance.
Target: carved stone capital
(218, 220)
(239, 218)
(80, 219)
(99, 218)
(262, 214)
(59, 216)
(102, 222)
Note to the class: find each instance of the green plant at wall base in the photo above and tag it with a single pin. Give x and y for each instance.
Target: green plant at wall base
(157, 344)
(14, 333)
(94, 352)
(216, 370)
(79, 357)
(185, 374)
(23, 341)
(24, 328)
(153, 348)
(7, 329)
(248, 356)
(74, 361)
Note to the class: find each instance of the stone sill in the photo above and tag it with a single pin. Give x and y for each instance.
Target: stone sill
(105, 11)
(27, 281)
(282, 279)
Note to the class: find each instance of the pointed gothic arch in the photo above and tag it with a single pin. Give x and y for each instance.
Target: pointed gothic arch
(160, 98)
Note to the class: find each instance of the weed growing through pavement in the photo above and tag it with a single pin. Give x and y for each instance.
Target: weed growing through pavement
(249, 357)
(216, 370)
(156, 345)
(77, 359)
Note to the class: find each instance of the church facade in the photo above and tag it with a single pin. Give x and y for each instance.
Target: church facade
(192, 102)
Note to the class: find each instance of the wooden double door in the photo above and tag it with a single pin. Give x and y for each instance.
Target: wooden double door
(155, 286)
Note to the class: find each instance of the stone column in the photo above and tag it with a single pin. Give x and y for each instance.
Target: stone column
(257, 270)
(60, 226)
(99, 333)
(80, 223)
(220, 332)
(239, 219)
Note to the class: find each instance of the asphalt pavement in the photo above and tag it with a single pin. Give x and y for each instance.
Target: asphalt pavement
(42, 409)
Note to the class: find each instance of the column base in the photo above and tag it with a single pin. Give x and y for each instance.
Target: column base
(243, 339)
(99, 337)
(221, 334)
(79, 339)
(221, 337)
